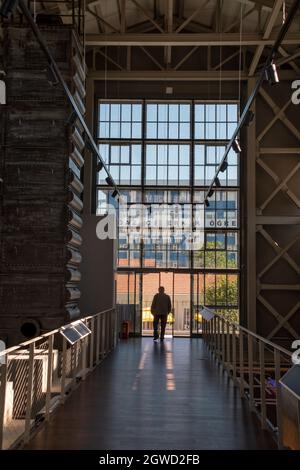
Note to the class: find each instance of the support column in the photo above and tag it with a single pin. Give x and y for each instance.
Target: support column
(251, 217)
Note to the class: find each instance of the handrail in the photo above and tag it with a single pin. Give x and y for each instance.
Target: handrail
(255, 335)
(46, 335)
(38, 375)
(255, 364)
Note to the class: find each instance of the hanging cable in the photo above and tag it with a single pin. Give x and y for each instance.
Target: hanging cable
(240, 59)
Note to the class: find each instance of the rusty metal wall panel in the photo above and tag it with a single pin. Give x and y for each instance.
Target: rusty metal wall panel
(41, 161)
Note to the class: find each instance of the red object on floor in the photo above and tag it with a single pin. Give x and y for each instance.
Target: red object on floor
(125, 330)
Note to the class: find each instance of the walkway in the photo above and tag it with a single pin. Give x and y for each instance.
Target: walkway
(155, 396)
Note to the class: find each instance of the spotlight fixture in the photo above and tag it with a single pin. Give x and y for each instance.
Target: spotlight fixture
(271, 74)
(210, 192)
(249, 118)
(236, 146)
(115, 193)
(224, 166)
(206, 202)
(217, 182)
(109, 181)
(99, 166)
(8, 7)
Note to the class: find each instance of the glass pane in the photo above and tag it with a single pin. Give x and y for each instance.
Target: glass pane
(151, 154)
(104, 150)
(115, 154)
(199, 154)
(150, 174)
(210, 113)
(173, 130)
(184, 131)
(232, 112)
(125, 154)
(126, 112)
(173, 155)
(184, 175)
(163, 112)
(115, 112)
(115, 130)
(221, 112)
(199, 131)
(135, 175)
(173, 175)
(162, 130)
(199, 112)
(173, 113)
(136, 130)
(125, 130)
(151, 112)
(136, 112)
(135, 154)
(151, 130)
(185, 113)
(104, 130)
(162, 174)
(162, 154)
(125, 174)
(210, 131)
(104, 112)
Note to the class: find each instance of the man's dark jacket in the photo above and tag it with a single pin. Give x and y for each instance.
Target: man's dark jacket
(161, 304)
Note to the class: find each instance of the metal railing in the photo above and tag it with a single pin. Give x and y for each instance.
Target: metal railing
(255, 365)
(38, 375)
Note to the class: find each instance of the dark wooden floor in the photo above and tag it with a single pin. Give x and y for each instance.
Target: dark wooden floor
(155, 396)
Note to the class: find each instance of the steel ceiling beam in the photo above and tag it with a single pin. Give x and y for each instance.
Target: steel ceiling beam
(183, 39)
(178, 75)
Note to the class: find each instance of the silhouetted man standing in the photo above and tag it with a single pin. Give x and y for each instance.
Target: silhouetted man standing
(160, 308)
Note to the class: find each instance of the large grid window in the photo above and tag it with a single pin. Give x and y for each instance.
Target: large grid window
(207, 159)
(124, 161)
(120, 121)
(167, 164)
(215, 121)
(163, 156)
(168, 121)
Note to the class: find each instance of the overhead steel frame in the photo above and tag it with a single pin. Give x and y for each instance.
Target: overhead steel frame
(273, 220)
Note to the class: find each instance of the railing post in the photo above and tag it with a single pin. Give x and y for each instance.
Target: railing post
(84, 357)
(278, 398)
(92, 343)
(103, 333)
(63, 371)
(250, 371)
(215, 333)
(234, 353)
(74, 350)
(29, 392)
(227, 345)
(241, 351)
(208, 333)
(110, 326)
(3, 376)
(218, 338)
(223, 340)
(98, 338)
(106, 334)
(49, 376)
(262, 384)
